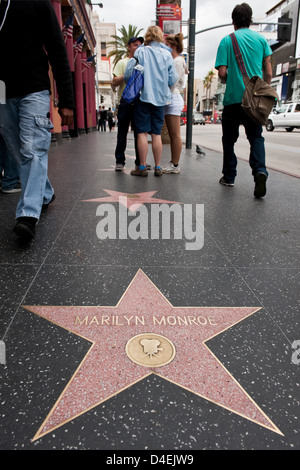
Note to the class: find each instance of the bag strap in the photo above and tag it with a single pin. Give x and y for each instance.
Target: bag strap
(238, 56)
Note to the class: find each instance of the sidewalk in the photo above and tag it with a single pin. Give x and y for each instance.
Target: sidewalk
(217, 362)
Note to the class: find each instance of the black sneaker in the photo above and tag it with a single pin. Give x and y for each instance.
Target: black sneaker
(260, 185)
(225, 182)
(25, 228)
(45, 206)
(16, 189)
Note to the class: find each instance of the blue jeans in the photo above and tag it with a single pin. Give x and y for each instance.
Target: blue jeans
(233, 116)
(25, 127)
(10, 167)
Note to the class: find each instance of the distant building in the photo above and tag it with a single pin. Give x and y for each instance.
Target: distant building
(83, 73)
(286, 54)
(103, 33)
(205, 98)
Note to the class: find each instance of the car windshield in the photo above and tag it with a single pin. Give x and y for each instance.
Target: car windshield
(282, 109)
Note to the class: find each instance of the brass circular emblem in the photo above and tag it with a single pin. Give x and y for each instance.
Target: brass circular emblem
(150, 350)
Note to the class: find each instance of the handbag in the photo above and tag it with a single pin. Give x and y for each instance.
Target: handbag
(135, 84)
(258, 98)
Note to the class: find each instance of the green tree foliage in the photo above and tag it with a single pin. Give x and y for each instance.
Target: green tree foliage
(120, 42)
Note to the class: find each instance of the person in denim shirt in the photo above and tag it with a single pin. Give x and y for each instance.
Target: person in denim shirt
(159, 76)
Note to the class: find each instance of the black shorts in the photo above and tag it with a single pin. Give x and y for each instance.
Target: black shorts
(148, 118)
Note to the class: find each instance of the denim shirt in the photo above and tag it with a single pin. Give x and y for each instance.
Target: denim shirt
(159, 73)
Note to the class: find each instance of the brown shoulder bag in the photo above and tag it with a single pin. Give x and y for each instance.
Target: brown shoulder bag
(258, 99)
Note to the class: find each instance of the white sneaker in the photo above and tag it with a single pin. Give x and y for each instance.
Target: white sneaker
(170, 168)
(119, 167)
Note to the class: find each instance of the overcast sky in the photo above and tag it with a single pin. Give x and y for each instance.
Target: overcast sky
(209, 13)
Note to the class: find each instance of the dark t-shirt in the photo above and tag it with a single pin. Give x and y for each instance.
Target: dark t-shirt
(30, 38)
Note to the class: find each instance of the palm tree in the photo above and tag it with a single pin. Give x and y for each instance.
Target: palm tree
(120, 42)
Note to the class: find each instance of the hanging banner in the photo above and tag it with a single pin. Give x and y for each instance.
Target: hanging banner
(169, 18)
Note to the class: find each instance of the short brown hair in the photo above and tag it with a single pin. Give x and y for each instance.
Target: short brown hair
(242, 15)
(153, 33)
(176, 41)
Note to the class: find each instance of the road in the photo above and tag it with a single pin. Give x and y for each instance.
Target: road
(282, 148)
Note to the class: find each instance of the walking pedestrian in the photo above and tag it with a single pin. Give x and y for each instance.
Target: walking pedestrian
(25, 117)
(103, 119)
(110, 119)
(256, 55)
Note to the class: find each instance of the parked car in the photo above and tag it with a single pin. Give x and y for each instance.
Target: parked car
(288, 116)
(198, 118)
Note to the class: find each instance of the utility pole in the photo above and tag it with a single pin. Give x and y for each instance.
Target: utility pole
(191, 57)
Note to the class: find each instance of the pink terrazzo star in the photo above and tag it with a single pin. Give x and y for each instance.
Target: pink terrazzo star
(106, 369)
(130, 199)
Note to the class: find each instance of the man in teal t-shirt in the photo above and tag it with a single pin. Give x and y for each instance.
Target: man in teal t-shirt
(256, 55)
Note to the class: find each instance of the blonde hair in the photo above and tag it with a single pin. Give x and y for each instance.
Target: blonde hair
(176, 41)
(153, 33)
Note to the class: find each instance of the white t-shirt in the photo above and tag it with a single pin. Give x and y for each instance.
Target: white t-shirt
(181, 69)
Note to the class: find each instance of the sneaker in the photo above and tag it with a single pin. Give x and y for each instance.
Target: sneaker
(260, 185)
(25, 228)
(158, 171)
(226, 183)
(170, 168)
(45, 206)
(119, 167)
(138, 172)
(16, 189)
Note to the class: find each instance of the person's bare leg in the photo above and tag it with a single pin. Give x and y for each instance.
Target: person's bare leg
(157, 148)
(173, 125)
(142, 142)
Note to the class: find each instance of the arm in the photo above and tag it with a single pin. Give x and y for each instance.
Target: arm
(129, 69)
(117, 81)
(222, 72)
(267, 69)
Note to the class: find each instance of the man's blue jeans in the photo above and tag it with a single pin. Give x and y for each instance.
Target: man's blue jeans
(233, 116)
(125, 118)
(25, 127)
(10, 167)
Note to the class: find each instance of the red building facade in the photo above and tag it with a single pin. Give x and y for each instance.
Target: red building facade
(83, 77)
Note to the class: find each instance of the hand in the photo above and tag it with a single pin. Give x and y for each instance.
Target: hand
(67, 116)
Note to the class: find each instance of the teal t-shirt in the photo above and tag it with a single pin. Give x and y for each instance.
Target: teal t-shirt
(254, 48)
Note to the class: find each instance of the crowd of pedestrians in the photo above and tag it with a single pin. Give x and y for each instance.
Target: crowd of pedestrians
(25, 119)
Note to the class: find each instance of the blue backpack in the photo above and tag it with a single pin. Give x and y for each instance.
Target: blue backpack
(135, 84)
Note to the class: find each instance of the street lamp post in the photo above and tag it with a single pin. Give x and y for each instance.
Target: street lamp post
(191, 56)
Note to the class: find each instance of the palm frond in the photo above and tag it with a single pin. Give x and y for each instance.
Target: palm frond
(120, 42)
